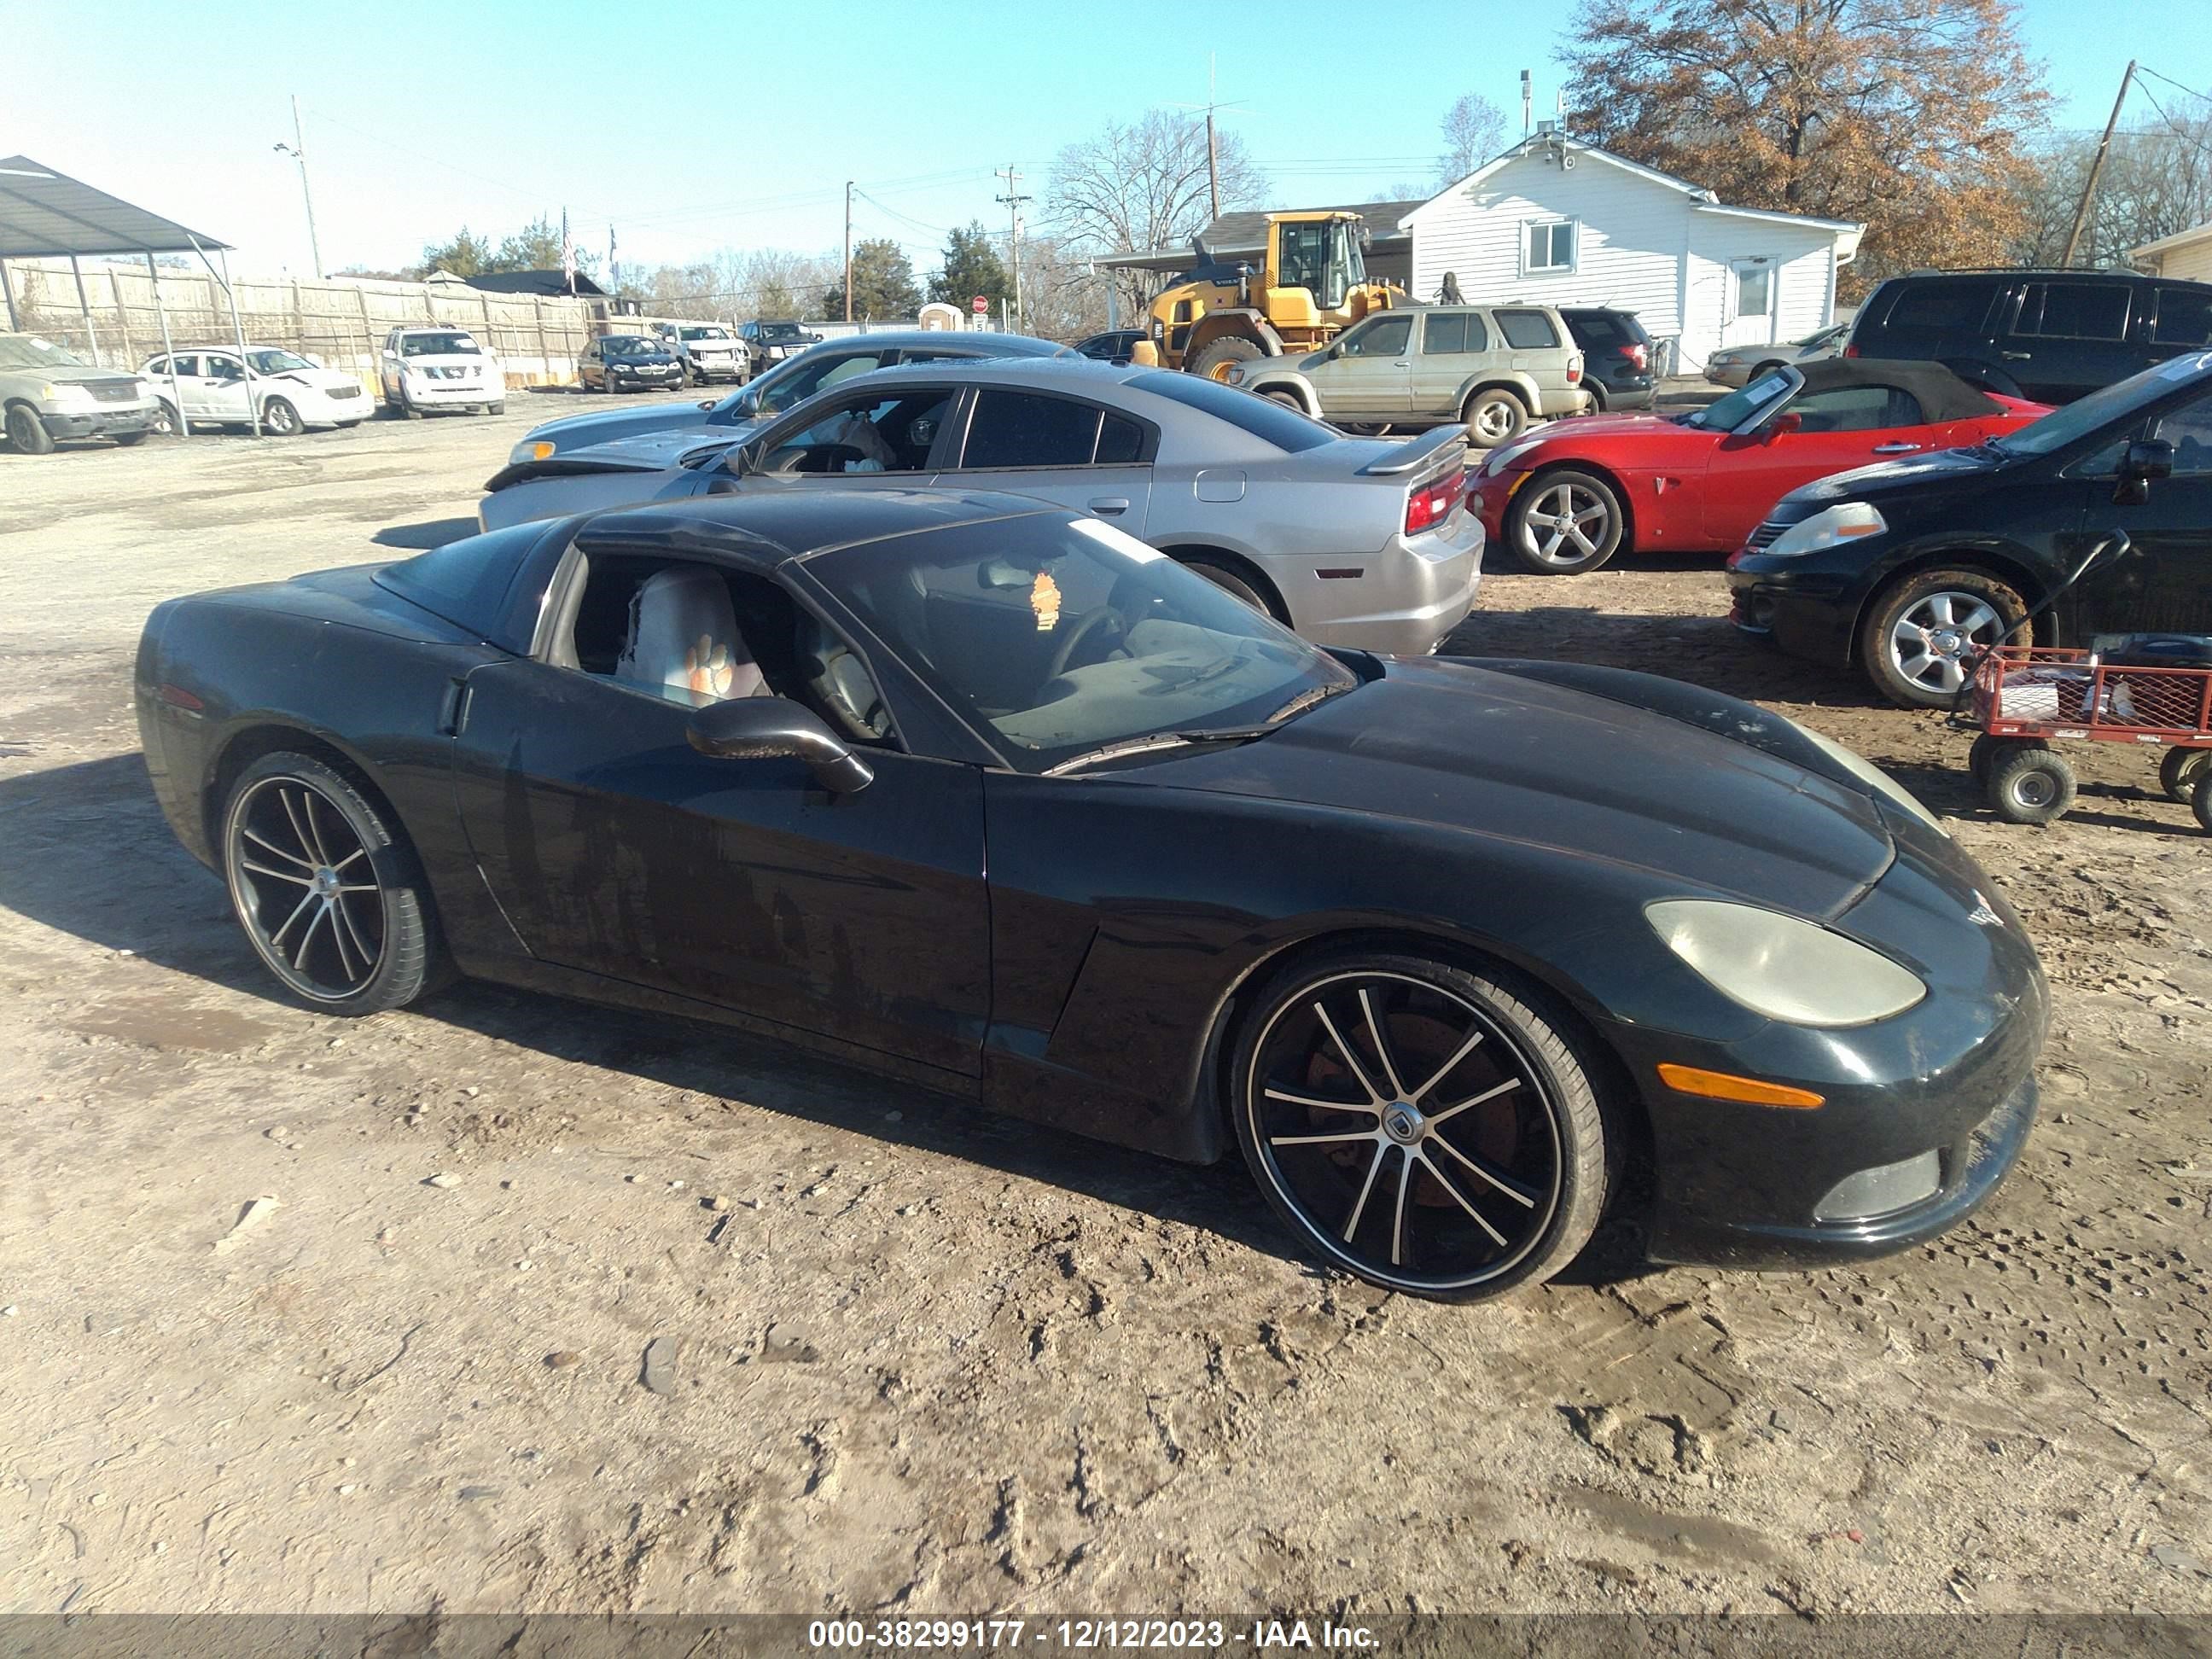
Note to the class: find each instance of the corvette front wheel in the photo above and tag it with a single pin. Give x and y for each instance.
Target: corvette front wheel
(327, 891)
(1431, 1130)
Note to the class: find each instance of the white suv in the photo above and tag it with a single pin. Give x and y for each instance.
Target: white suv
(440, 368)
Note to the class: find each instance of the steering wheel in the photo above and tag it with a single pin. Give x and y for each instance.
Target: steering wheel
(1088, 624)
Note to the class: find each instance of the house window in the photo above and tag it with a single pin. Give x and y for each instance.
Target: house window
(1755, 290)
(1549, 247)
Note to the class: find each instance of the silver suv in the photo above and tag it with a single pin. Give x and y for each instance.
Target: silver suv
(47, 391)
(1493, 367)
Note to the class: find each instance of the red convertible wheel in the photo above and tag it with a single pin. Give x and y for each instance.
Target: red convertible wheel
(323, 889)
(1422, 1127)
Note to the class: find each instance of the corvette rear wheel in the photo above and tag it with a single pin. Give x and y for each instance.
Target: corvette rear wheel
(326, 890)
(1431, 1130)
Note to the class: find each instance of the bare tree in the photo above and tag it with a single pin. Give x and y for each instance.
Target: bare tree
(1913, 117)
(1472, 128)
(1065, 299)
(2157, 180)
(1142, 187)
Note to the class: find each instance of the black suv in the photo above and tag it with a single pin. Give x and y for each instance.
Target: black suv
(1907, 567)
(1616, 357)
(768, 344)
(2050, 335)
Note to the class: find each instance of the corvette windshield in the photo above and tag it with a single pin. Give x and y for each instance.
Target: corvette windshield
(1060, 639)
(1733, 410)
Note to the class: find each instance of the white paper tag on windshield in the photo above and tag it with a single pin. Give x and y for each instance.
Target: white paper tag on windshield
(1120, 540)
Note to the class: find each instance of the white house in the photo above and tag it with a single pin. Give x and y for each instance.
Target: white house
(1557, 221)
(2187, 255)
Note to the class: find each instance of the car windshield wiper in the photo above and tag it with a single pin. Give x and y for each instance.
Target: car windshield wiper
(1305, 700)
(1162, 740)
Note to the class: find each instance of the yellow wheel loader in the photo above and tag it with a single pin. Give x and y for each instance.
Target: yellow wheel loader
(1312, 287)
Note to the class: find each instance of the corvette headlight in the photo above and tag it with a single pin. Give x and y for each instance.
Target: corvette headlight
(1847, 521)
(1787, 970)
(1868, 773)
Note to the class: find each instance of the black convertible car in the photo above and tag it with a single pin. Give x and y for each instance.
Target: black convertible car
(1463, 955)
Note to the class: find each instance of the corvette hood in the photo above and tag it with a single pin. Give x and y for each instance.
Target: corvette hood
(1502, 754)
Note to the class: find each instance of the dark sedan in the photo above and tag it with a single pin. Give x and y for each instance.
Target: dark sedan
(628, 363)
(1463, 957)
(1907, 568)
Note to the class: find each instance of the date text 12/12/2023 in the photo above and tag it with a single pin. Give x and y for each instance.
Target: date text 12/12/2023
(1087, 1635)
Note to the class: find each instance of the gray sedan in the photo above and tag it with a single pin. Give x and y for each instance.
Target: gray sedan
(1357, 542)
(789, 384)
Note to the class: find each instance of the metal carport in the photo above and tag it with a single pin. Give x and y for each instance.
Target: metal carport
(46, 215)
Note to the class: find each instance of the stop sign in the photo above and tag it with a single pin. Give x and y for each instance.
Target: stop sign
(979, 305)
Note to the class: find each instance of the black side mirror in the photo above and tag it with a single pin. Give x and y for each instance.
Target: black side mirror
(2147, 459)
(768, 728)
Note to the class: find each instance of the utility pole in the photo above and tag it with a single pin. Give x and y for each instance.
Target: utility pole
(2097, 166)
(1212, 148)
(297, 149)
(1013, 198)
(848, 249)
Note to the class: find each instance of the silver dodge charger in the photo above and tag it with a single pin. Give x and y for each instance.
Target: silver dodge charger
(1357, 541)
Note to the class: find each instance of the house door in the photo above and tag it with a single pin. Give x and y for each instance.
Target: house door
(1747, 303)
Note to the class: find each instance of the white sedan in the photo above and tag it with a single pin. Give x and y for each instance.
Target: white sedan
(292, 392)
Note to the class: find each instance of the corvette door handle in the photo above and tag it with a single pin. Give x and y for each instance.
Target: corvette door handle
(1110, 506)
(1895, 449)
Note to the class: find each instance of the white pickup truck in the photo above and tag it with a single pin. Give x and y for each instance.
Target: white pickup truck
(709, 351)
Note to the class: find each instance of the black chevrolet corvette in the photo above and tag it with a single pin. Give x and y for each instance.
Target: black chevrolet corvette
(1464, 957)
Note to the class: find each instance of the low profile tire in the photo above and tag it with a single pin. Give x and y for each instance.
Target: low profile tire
(127, 439)
(1212, 358)
(279, 419)
(27, 432)
(2032, 785)
(1565, 522)
(1919, 636)
(1230, 579)
(165, 418)
(327, 890)
(2180, 773)
(1493, 417)
(1431, 1130)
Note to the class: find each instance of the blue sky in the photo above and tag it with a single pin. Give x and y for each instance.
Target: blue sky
(692, 126)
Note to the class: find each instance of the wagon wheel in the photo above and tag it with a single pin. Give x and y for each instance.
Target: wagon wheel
(2179, 772)
(2030, 785)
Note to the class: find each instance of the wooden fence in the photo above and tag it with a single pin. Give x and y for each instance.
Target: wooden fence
(340, 323)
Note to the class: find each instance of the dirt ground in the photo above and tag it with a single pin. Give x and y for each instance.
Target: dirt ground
(927, 1361)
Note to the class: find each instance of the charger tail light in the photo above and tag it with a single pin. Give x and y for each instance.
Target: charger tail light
(1638, 355)
(1431, 504)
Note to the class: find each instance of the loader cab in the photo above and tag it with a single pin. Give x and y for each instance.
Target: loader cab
(1322, 255)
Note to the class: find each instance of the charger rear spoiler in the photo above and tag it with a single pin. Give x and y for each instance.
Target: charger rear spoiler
(1432, 453)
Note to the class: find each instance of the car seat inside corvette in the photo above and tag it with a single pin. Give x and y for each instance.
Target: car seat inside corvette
(683, 641)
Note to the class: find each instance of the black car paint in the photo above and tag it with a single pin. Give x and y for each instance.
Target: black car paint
(1606, 363)
(1987, 343)
(969, 927)
(2030, 521)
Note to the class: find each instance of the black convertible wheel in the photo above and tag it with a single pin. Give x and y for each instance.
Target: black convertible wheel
(1427, 1129)
(323, 889)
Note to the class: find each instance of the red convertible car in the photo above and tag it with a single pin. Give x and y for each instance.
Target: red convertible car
(1569, 497)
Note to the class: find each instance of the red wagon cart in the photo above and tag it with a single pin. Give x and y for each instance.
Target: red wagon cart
(2025, 697)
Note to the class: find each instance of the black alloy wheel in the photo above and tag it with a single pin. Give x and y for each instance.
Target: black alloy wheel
(26, 432)
(326, 892)
(1431, 1130)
